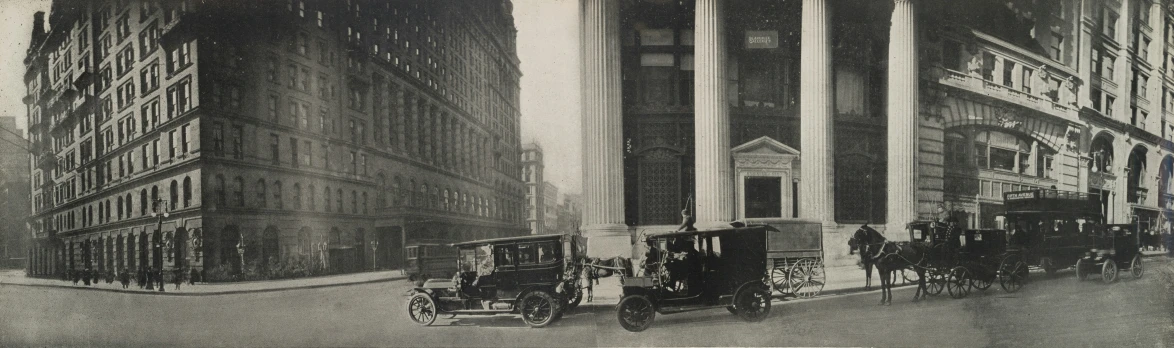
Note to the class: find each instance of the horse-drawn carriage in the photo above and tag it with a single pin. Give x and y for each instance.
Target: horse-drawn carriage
(794, 256)
(696, 270)
(958, 260)
(535, 276)
(1116, 248)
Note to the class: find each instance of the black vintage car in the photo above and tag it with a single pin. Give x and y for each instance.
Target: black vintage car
(685, 271)
(1116, 247)
(535, 276)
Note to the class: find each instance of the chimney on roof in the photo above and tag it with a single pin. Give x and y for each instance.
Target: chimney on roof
(38, 28)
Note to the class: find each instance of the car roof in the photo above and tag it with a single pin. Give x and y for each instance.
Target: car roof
(709, 231)
(539, 237)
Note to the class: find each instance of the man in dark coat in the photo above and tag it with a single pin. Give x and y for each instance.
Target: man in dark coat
(94, 276)
(141, 278)
(195, 274)
(124, 277)
(86, 276)
(75, 276)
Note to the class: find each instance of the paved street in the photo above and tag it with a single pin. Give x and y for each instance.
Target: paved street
(1049, 312)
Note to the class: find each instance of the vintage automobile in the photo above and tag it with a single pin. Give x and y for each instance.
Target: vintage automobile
(427, 259)
(535, 276)
(1116, 248)
(695, 270)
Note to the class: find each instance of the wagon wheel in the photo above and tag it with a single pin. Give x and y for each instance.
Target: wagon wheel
(1109, 271)
(1082, 268)
(635, 313)
(1012, 274)
(936, 282)
(958, 282)
(779, 277)
(1135, 267)
(422, 309)
(807, 278)
(909, 275)
(981, 283)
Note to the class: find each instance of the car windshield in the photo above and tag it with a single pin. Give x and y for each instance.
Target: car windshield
(476, 259)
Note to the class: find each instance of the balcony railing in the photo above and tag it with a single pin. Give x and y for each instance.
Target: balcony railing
(1051, 88)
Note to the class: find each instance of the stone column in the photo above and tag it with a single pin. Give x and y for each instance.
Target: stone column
(903, 116)
(815, 112)
(714, 183)
(602, 130)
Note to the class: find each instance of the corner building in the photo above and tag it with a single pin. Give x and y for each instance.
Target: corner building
(201, 134)
(882, 112)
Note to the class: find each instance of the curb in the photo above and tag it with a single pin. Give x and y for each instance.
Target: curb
(226, 292)
(779, 299)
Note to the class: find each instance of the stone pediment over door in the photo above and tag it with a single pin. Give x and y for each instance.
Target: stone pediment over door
(762, 160)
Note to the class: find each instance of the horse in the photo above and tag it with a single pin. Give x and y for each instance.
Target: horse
(888, 258)
(864, 262)
(596, 268)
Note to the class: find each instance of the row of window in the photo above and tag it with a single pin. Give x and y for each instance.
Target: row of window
(124, 206)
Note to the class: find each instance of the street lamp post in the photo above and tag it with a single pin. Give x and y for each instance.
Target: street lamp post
(159, 243)
(240, 249)
(374, 246)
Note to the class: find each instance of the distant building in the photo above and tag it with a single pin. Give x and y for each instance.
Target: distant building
(269, 131)
(532, 177)
(14, 194)
(570, 214)
(549, 208)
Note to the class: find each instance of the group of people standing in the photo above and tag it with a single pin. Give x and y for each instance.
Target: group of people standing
(145, 278)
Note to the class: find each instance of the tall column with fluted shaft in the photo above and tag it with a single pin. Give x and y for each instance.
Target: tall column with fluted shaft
(603, 171)
(903, 116)
(815, 113)
(714, 183)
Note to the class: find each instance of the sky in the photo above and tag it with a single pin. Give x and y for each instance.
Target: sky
(548, 47)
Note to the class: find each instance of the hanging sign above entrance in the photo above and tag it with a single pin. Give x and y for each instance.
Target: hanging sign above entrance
(762, 39)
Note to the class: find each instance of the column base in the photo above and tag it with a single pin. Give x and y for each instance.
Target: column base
(608, 240)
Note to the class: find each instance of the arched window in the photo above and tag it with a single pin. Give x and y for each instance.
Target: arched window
(312, 205)
(261, 197)
(174, 194)
(238, 191)
(297, 196)
(120, 207)
(956, 149)
(277, 202)
(304, 240)
(187, 192)
(143, 202)
(1102, 155)
(154, 199)
(354, 202)
(221, 199)
(129, 207)
(422, 197)
(326, 201)
(338, 200)
(396, 193)
(381, 193)
(410, 193)
(365, 202)
(434, 198)
(445, 206)
(270, 245)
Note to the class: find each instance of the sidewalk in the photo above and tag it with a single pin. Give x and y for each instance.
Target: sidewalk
(16, 277)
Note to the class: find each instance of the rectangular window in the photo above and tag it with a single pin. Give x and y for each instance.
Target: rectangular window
(1027, 73)
(1008, 74)
(1057, 46)
(271, 103)
(238, 134)
(171, 144)
(143, 153)
(155, 152)
(183, 139)
(217, 139)
(179, 98)
(293, 152)
(308, 156)
(363, 158)
(179, 58)
(354, 163)
(274, 149)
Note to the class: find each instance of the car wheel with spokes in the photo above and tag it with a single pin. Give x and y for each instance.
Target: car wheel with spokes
(1109, 271)
(752, 303)
(635, 313)
(539, 309)
(422, 309)
(1135, 267)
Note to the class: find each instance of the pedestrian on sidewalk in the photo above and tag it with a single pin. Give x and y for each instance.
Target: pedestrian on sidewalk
(86, 276)
(159, 278)
(195, 274)
(110, 276)
(124, 277)
(94, 276)
(73, 275)
(178, 277)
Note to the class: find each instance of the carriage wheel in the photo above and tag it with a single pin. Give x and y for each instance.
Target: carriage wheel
(1109, 271)
(752, 303)
(779, 278)
(635, 313)
(1135, 267)
(910, 276)
(935, 283)
(958, 282)
(1012, 274)
(981, 283)
(807, 278)
(539, 309)
(422, 309)
(1082, 268)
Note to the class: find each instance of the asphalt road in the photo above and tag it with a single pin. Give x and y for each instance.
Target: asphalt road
(1057, 311)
